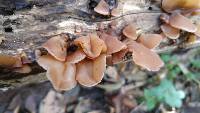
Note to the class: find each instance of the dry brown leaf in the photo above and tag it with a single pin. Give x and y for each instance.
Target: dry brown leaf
(53, 103)
(112, 73)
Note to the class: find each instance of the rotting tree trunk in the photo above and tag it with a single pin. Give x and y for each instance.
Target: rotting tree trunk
(26, 24)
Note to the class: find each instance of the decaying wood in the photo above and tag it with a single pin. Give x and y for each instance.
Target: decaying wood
(26, 27)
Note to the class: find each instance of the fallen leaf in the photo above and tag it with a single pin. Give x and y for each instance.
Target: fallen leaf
(52, 103)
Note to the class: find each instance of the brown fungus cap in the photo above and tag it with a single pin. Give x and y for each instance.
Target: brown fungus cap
(180, 22)
(102, 8)
(115, 12)
(130, 31)
(171, 5)
(144, 57)
(170, 31)
(150, 40)
(90, 72)
(76, 56)
(10, 61)
(112, 43)
(119, 56)
(57, 47)
(92, 45)
(61, 74)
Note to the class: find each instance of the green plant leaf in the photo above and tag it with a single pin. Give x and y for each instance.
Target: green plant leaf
(165, 57)
(150, 99)
(165, 93)
(195, 63)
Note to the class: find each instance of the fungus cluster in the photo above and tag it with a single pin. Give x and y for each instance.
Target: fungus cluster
(177, 20)
(86, 64)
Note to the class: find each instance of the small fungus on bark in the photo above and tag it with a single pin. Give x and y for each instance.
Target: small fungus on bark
(144, 57)
(102, 8)
(130, 31)
(150, 40)
(180, 22)
(170, 32)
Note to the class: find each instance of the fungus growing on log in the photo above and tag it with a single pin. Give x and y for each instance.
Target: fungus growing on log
(87, 64)
(150, 40)
(171, 5)
(130, 31)
(61, 74)
(90, 72)
(65, 74)
(179, 21)
(176, 22)
(112, 43)
(170, 31)
(144, 57)
(102, 8)
(57, 47)
(92, 45)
